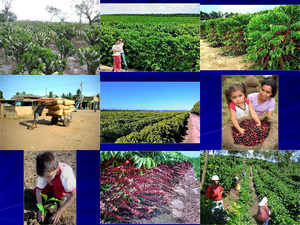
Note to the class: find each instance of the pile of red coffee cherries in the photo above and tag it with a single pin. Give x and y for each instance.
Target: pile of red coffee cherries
(253, 134)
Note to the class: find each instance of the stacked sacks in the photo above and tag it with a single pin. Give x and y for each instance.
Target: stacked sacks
(251, 84)
(60, 107)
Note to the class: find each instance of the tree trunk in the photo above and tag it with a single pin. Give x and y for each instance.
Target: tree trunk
(204, 169)
(213, 153)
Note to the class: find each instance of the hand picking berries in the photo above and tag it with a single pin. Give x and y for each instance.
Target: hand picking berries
(253, 134)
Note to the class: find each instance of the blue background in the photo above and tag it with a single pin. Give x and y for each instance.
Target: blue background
(11, 187)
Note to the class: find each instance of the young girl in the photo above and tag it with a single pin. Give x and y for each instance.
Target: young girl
(117, 48)
(239, 105)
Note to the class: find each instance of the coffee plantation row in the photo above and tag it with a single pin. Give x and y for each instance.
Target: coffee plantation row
(281, 189)
(28, 44)
(142, 126)
(153, 42)
(138, 185)
(270, 39)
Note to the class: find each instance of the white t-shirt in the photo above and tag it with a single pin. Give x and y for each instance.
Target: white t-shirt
(117, 47)
(67, 179)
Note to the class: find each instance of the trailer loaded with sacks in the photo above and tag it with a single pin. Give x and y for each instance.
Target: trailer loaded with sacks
(61, 110)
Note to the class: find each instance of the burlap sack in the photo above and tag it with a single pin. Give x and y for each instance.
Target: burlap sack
(270, 143)
(72, 106)
(251, 81)
(55, 107)
(66, 107)
(68, 102)
(57, 102)
(251, 90)
(55, 112)
(66, 112)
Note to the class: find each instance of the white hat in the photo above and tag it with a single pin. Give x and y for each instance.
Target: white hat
(215, 177)
(263, 201)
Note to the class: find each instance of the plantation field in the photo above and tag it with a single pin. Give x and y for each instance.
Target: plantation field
(278, 181)
(49, 48)
(153, 42)
(269, 40)
(149, 187)
(142, 126)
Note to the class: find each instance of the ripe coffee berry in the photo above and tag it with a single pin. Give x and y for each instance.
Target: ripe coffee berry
(253, 134)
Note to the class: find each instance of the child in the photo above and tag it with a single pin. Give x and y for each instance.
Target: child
(239, 105)
(117, 48)
(123, 54)
(214, 192)
(54, 177)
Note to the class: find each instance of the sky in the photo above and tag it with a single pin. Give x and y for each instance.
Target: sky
(37, 84)
(35, 9)
(236, 8)
(191, 153)
(149, 8)
(149, 95)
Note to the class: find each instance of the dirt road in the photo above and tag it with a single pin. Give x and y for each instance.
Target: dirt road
(109, 69)
(215, 59)
(193, 132)
(82, 134)
(30, 180)
(253, 211)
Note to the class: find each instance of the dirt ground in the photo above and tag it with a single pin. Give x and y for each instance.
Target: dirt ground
(82, 134)
(193, 131)
(30, 179)
(104, 68)
(253, 211)
(215, 59)
(7, 65)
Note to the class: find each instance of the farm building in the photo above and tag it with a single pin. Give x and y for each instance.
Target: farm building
(88, 103)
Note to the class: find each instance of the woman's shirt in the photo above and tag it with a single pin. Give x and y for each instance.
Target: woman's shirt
(261, 108)
(117, 47)
(264, 213)
(214, 192)
(239, 112)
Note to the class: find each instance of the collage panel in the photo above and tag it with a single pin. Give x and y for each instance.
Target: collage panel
(249, 37)
(249, 186)
(150, 112)
(149, 187)
(50, 187)
(145, 37)
(250, 112)
(50, 112)
(50, 37)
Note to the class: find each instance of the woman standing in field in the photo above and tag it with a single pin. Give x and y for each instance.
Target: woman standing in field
(263, 100)
(122, 53)
(264, 211)
(214, 192)
(117, 48)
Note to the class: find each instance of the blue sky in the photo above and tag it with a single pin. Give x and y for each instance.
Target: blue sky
(149, 95)
(191, 153)
(149, 8)
(236, 8)
(37, 84)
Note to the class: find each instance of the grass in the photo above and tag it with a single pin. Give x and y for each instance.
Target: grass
(231, 79)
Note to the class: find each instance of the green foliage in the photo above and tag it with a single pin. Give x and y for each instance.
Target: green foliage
(90, 56)
(39, 60)
(196, 108)
(92, 37)
(174, 47)
(51, 206)
(65, 47)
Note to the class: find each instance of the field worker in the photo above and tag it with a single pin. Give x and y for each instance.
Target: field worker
(237, 187)
(214, 192)
(38, 112)
(122, 53)
(244, 173)
(54, 178)
(264, 211)
(117, 48)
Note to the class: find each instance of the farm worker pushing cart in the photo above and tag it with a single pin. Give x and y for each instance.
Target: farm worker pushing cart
(237, 187)
(38, 112)
(264, 211)
(214, 192)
